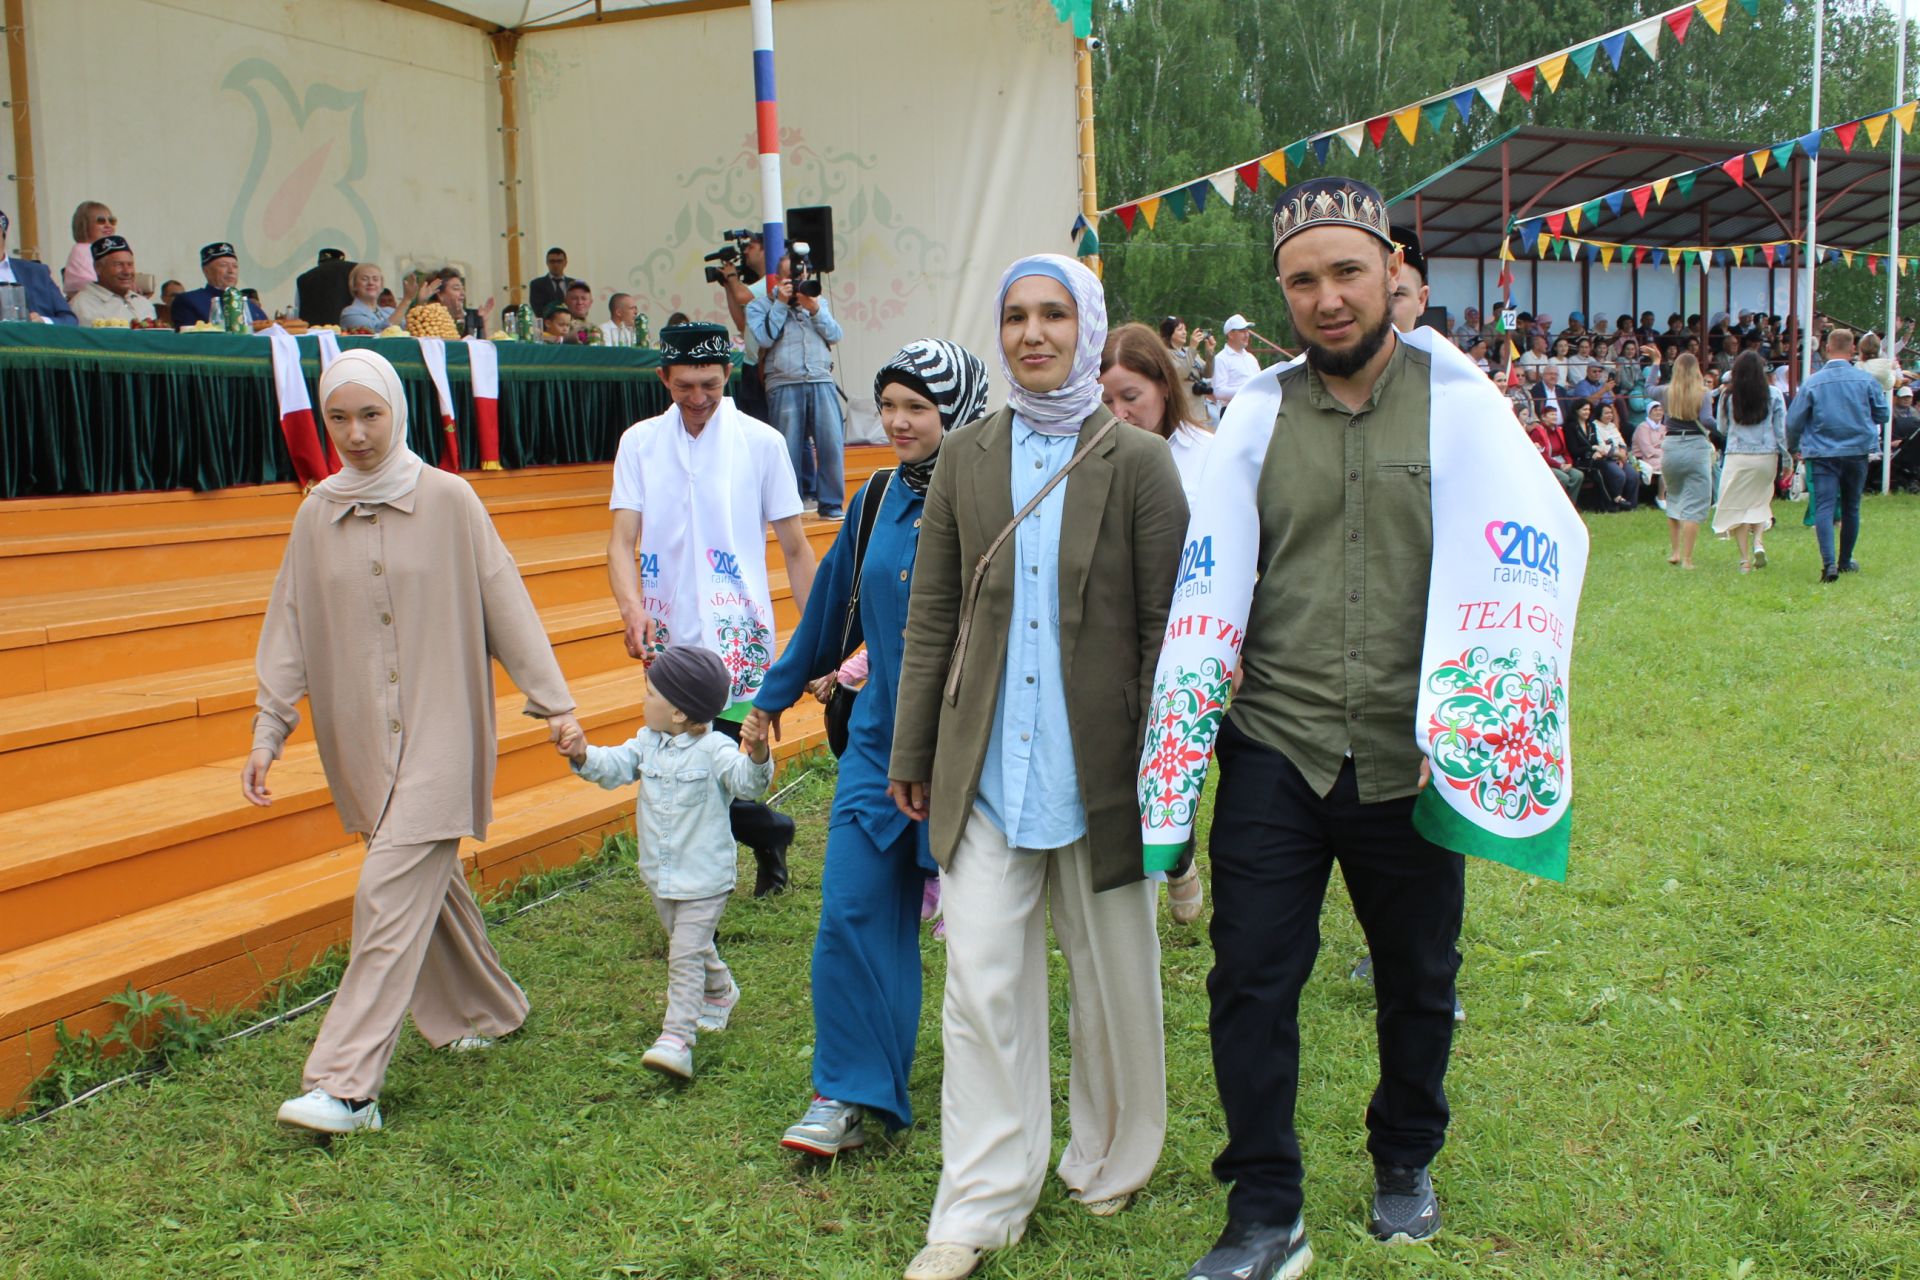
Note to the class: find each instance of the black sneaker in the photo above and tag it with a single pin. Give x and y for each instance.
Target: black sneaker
(1256, 1251)
(1405, 1209)
(1829, 574)
(1851, 566)
(772, 863)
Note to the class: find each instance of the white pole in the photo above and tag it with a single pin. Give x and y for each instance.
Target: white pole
(1893, 244)
(1807, 335)
(773, 215)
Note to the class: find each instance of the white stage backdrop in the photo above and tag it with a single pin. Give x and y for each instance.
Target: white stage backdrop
(945, 145)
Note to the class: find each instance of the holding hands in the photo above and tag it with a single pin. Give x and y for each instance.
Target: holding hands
(568, 738)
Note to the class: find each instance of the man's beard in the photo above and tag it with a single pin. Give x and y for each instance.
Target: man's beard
(1329, 363)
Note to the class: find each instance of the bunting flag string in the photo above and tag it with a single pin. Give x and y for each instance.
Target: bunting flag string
(1738, 167)
(1679, 257)
(1530, 81)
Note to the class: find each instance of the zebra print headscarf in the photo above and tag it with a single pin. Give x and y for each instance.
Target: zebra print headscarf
(947, 374)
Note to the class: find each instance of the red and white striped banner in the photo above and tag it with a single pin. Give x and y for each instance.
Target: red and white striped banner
(484, 360)
(311, 452)
(433, 354)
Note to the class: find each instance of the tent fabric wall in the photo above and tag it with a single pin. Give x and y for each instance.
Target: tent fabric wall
(281, 125)
(946, 147)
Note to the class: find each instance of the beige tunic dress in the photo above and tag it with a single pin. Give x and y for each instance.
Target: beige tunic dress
(385, 618)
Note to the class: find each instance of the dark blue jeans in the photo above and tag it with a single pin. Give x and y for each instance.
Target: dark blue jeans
(1838, 483)
(810, 412)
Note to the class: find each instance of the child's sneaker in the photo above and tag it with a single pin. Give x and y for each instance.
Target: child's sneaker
(670, 1056)
(828, 1128)
(930, 899)
(715, 1014)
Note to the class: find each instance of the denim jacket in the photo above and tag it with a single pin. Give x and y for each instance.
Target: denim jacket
(1837, 413)
(795, 346)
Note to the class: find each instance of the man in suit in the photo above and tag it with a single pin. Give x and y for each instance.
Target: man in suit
(221, 267)
(320, 293)
(1021, 743)
(551, 287)
(44, 299)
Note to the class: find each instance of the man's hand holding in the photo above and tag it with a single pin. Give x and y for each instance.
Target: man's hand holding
(638, 627)
(569, 739)
(911, 797)
(758, 723)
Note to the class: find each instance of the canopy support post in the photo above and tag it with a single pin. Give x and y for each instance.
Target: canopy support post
(506, 46)
(27, 242)
(1089, 174)
(1893, 247)
(766, 106)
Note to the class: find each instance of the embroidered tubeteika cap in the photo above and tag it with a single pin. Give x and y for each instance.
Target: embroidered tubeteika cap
(1329, 202)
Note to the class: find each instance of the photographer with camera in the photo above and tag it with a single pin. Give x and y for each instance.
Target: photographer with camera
(739, 267)
(796, 332)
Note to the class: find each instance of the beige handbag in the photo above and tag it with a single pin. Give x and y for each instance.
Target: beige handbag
(959, 660)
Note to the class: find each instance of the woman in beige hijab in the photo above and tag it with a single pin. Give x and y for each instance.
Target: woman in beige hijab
(394, 594)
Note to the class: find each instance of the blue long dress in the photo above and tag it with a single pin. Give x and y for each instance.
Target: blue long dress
(866, 956)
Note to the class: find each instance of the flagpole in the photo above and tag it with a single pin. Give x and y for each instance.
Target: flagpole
(1813, 196)
(1893, 246)
(773, 215)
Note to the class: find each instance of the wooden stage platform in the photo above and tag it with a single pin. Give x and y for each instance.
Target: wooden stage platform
(127, 629)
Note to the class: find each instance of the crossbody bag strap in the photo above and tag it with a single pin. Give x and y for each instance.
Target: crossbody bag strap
(869, 516)
(959, 660)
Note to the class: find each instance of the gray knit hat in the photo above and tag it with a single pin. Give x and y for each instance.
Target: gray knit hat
(694, 680)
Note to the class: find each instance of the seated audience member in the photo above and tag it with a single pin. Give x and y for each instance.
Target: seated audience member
(368, 283)
(1906, 442)
(43, 297)
(221, 267)
(1648, 438)
(1548, 438)
(387, 299)
(579, 300)
(322, 291)
(449, 288)
(111, 296)
(677, 319)
(1477, 352)
(1563, 361)
(91, 220)
(1594, 386)
(163, 304)
(1550, 391)
(1467, 332)
(1535, 356)
(1618, 476)
(558, 322)
(619, 330)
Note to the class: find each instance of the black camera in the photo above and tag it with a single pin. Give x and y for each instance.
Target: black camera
(728, 255)
(806, 281)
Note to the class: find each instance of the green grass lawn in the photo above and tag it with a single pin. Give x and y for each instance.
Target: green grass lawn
(1698, 1058)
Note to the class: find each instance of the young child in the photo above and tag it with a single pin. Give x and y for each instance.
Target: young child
(688, 776)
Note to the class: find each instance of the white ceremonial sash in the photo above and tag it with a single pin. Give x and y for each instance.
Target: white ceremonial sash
(698, 586)
(1509, 555)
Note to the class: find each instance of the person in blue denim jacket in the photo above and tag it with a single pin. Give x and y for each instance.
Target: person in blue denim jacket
(1834, 423)
(688, 777)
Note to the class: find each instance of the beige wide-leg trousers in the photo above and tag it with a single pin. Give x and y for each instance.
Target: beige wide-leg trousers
(420, 946)
(996, 1119)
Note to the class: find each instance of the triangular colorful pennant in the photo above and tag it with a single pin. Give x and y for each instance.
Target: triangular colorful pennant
(1079, 225)
(1833, 255)
(1275, 163)
(1752, 7)
(1660, 190)
(1506, 251)
(1355, 136)
(1782, 254)
(1089, 245)
(1739, 255)
(1127, 213)
(1903, 116)
(1583, 58)
(1408, 122)
(1647, 36)
(1523, 81)
(1606, 257)
(1296, 153)
(1876, 126)
(1377, 130)
(1250, 173)
(1151, 208)
(1614, 200)
(1176, 202)
(1547, 245)
(1736, 168)
(1782, 154)
(1810, 142)
(1714, 12)
(1463, 103)
(1846, 133)
(1552, 69)
(1529, 233)
(1689, 258)
(1677, 22)
(1615, 45)
(1198, 193)
(1556, 222)
(1673, 259)
(1848, 255)
(1223, 184)
(1640, 197)
(1873, 266)
(1591, 212)
(1706, 259)
(1321, 145)
(1493, 89)
(1574, 215)
(1640, 255)
(1435, 112)
(1685, 183)
(1760, 159)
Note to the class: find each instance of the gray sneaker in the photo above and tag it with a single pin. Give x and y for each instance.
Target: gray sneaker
(1257, 1251)
(1405, 1210)
(828, 1128)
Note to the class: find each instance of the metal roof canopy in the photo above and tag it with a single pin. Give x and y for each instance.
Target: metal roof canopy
(551, 15)
(1463, 210)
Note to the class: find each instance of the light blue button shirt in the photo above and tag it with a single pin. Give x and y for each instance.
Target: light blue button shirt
(1030, 785)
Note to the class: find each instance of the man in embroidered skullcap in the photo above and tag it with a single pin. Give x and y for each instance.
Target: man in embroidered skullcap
(694, 492)
(111, 295)
(220, 264)
(1352, 574)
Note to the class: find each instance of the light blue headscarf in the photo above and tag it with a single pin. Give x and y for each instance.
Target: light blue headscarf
(1062, 410)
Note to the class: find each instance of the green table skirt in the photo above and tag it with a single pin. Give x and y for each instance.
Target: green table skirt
(110, 410)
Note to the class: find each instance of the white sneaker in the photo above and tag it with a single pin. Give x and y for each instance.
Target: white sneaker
(943, 1261)
(829, 1128)
(670, 1056)
(324, 1113)
(715, 1014)
(470, 1044)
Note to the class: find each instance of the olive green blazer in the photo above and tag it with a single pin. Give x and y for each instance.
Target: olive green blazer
(1120, 540)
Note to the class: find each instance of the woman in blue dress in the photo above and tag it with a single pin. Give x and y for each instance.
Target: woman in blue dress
(866, 957)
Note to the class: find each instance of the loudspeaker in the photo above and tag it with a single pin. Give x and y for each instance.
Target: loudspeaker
(814, 224)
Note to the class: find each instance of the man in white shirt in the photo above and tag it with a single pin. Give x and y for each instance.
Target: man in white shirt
(619, 331)
(111, 296)
(709, 481)
(1233, 365)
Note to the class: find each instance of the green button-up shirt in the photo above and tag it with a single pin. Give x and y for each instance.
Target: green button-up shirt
(1332, 654)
